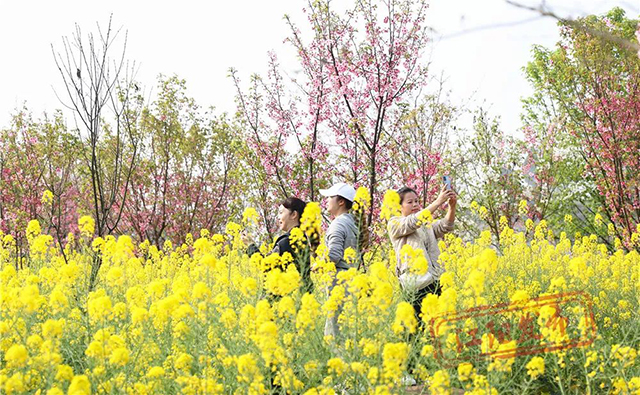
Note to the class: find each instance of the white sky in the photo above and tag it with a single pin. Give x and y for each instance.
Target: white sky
(200, 40)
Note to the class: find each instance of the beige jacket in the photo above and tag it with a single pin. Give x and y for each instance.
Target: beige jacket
(405, 230)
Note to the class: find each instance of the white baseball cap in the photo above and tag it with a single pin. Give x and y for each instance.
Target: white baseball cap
(340, 189)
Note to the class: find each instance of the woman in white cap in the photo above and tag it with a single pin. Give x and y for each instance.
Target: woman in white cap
(342, 234)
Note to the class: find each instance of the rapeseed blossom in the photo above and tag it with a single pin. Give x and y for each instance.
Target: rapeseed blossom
(362, 201)
(405, 319)
(535, 367)
(394, 356)
(311, 220)
(424, 218)
(33, 229)
(47, 197)
(16, 355)
(202, 317)
(390, 205)
(86, 225)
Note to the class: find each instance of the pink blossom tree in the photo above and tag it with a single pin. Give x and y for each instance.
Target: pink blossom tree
(367, 61)
(344, 116)
(594, 84)
(40, 156)
(287, 154)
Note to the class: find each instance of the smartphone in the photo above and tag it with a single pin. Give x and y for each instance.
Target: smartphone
(447, 182)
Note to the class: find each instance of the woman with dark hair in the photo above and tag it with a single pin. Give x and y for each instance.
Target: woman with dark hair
(408, 229)
(289, 214)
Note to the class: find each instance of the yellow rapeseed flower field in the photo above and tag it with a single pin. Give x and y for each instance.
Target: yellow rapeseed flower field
(205, 318)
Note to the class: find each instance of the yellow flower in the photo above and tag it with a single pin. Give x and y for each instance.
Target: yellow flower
(529, 224)
(250, 216)
(200, 290)
(535, 367)
(286, 307)
(64, 373)
(183, 362)
(9, 241)
(427, 350)
(634, 385)
(119, 356)
(309, 310)
(114, 276)
(86, 225)
(52, 328)
(597, 220)
(40, 244)
(99, 307)
(475, 282)
(523, 209)
(489, 343)
(394, 356)
(311, 221)
(483, 212)
(503, 221)
(414, 259)
(282, 283)
(390, 205)
(297, 239)
(440, 382)
(358, 368)
(247, 369)
(14, 384)
(97, 244)
(626, 355)
(33, 228)
(229, 318)
(311, 367)
(337, 366)
(362, 200)
(464, 371)
(16, 356)
(249, 286)
(405, 319)
(424, 218)
(80, 385)
(620, 386)
(373, 375)
(155, 372)
(504, 358)
(350, 255)
(47, 197)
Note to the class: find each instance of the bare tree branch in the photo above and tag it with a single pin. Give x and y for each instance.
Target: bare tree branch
(544, 11)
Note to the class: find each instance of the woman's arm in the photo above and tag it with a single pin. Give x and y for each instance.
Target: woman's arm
(440, 228)
(445, 194)
(402, 226)
(451, 211)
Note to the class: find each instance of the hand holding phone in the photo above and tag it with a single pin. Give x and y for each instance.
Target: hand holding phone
(447, 182)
